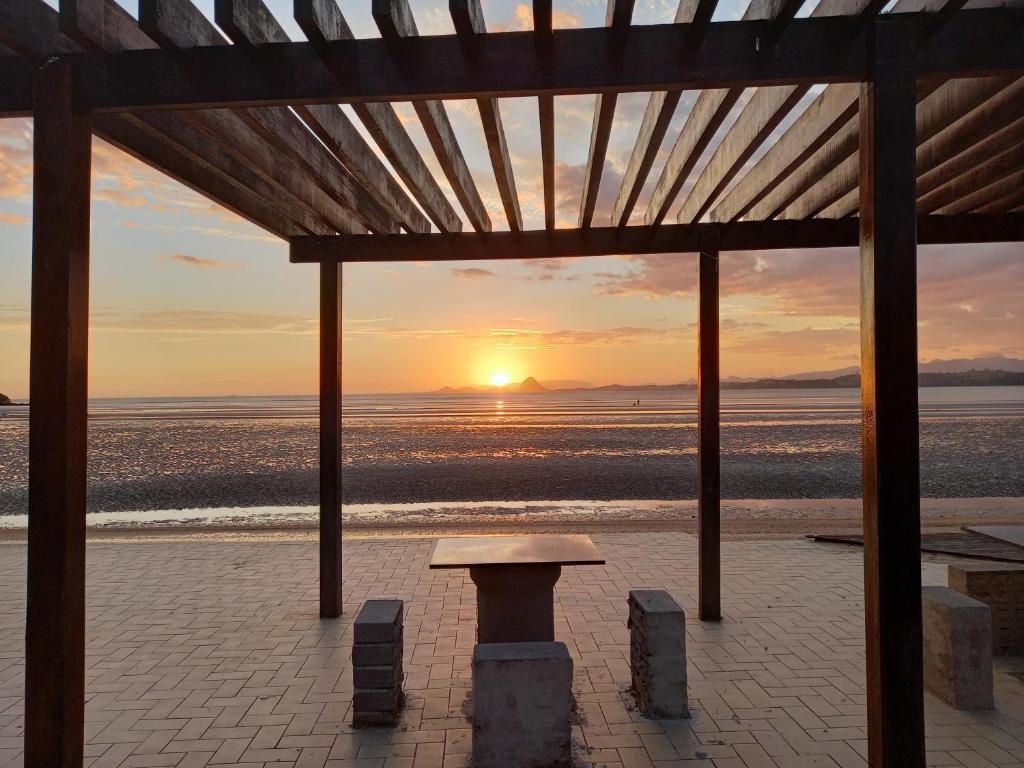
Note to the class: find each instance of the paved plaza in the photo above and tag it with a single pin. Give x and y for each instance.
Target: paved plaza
(212, 653)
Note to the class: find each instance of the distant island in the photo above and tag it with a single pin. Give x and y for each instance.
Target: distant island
(970, 378)
(5, 400)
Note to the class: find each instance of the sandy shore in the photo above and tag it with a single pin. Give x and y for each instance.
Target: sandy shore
(745, 518)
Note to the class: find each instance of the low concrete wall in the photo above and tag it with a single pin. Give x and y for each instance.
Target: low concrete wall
(522, 700)
(1001, 587)
(957, 648)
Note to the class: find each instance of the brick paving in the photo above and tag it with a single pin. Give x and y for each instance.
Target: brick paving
(211, 653)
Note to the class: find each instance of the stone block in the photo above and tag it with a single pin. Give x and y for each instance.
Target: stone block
(957, 648)
(522, 698)
(377, 677)
(1001, 587)
(379, 621)
(377, 654)
(376, 699)
(657, 653)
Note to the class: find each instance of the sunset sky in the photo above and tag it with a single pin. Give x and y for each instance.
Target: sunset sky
(188, 299)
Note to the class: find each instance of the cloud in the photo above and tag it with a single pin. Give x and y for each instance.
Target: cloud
(472, 273)
(198, 261)
(13, 218)
(15, 158)
(199, 322)
(518, 338)
(522, 20)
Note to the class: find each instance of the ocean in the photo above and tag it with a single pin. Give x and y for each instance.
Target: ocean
(261, 452)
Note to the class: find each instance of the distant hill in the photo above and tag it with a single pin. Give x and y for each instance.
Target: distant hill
(972, 377)
(5, 400)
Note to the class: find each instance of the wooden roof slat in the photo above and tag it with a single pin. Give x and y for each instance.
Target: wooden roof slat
(811, 137)
(542, 14)
(395, 20)
(707, 115)
(179, 24)
(941, 107)
(103, 24)
(32, 29)
(208, 175)
(322, 21)
(1012, 201)
(661, 106)
(198, 138)
(760, 117)
(973, 129)
(1002, 139)
(678, 239)
(833, 108)
(981, 175)
(250, 23)
(618, 17)
(468, 16)
(1000, 191)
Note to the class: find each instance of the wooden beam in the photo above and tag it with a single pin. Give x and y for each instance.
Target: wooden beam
(972, 44)
(1003, 139)
(397, 26)
(891, 464)
(1011, 201)
(700, 19)
(330, 437)
(55, 614)
(468, 17)
(322, 21)
(667, 238)
(546, 112)
(709, 474)
(30, 29)
(618, 17)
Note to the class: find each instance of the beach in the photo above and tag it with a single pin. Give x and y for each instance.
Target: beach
(428, 461)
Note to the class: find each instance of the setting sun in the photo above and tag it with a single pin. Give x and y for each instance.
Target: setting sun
(499, 379)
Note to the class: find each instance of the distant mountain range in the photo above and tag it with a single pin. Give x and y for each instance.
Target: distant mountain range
(996, 371)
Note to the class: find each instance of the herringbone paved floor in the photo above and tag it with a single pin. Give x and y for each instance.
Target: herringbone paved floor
(212, 654)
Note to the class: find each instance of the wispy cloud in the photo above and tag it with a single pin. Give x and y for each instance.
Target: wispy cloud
(198, 261)
(472, 273)
(13, 218)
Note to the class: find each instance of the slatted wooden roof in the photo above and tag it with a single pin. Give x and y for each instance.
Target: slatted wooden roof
(235, 110)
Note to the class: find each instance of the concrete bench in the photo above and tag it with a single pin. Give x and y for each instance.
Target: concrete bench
(522, 698)
(377, 663)
(657, 653)
(1001, 587)
(957, 648)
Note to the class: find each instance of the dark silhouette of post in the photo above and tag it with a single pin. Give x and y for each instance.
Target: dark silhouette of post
(708, 462)
(330, 436)
(888, 312)
(55, 621)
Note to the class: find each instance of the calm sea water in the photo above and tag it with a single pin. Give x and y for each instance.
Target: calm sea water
(168, 453)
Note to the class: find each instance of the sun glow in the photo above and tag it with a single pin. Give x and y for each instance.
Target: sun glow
(499, 379)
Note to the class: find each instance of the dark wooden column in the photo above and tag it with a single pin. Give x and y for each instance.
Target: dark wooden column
(55, 622)
(330, 435)
(709, 483)
(888, 312)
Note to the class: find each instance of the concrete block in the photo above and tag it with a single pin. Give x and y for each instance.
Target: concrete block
(522, 698)
(657, 653)
(376, 677)
(377, 654)
(379, 621)
(1001, 587)
(957, 648)
(376, 699)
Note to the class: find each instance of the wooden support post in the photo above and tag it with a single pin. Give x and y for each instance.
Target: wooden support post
(330, 436)
(888, 311)
(55, 621)
(709, 482)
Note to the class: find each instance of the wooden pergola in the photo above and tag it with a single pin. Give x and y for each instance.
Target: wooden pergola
(916, 137)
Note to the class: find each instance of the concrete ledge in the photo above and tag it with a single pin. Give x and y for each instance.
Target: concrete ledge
(522, 699)
(957, 648)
